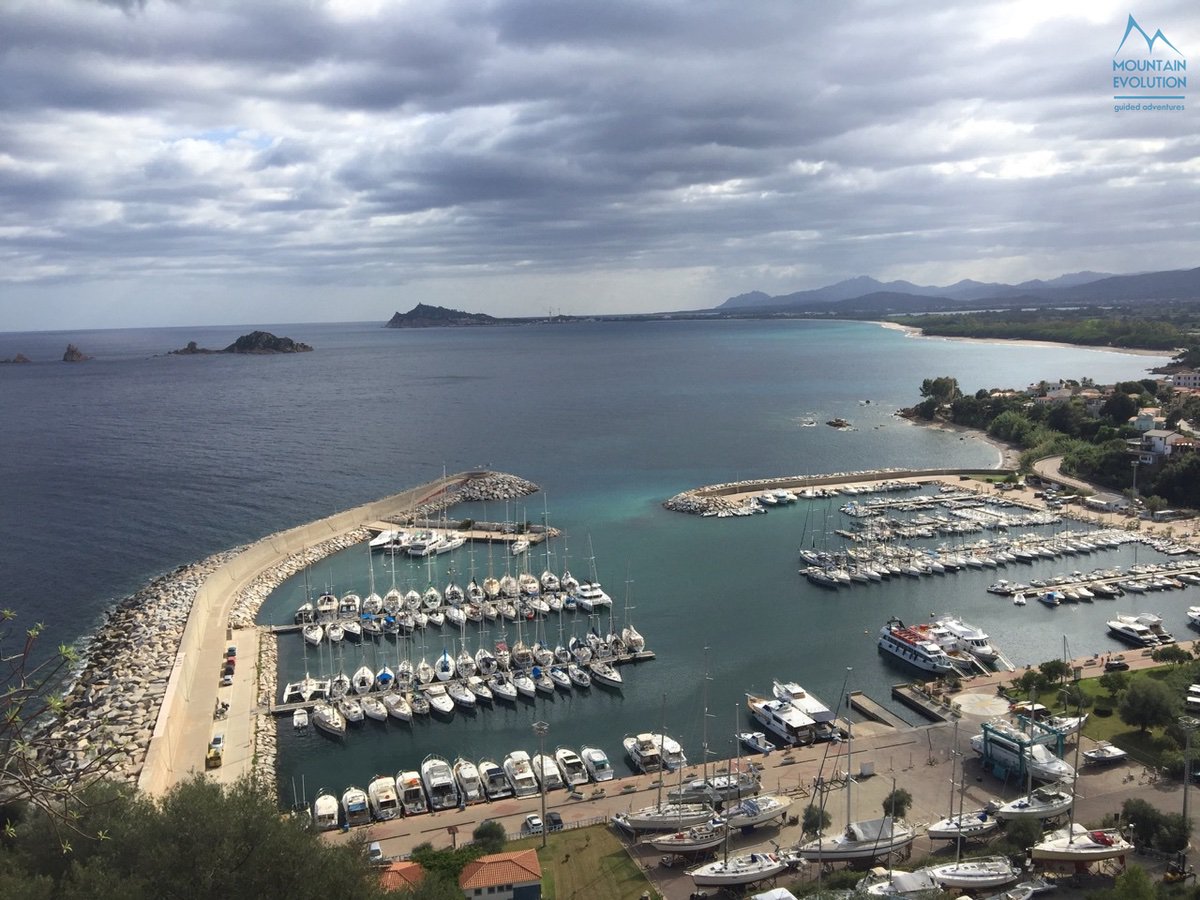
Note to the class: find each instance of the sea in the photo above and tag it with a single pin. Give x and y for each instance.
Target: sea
(133, 463)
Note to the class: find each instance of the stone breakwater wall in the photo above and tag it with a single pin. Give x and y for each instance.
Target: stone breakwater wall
(479, 488)
(265, 731)
(714, 498)
(111, 706)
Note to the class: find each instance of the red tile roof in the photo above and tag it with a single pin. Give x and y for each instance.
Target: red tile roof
(401, 874)
(520, 867)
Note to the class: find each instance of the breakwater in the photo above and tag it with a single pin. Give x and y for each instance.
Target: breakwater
(113, 705)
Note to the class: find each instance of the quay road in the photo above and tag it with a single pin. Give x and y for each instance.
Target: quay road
(186, 721)
(919, 758)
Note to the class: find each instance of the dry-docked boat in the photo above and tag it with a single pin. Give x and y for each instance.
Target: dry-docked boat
(739, 870)
(1042, 803)
(964, 826)
(976, 874)
(1002, 743)
(665, 817)
(1079, 845)
(699, 837)
(1104, 753)
(867, 839)
(756, 810)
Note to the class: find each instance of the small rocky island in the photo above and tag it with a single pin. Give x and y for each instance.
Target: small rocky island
(19, 358)
(422, 316)
(254, 342)
(74, 354)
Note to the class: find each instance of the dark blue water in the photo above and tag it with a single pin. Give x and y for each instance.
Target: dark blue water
(132, 463)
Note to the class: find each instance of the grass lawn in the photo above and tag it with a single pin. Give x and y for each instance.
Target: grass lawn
(586, 864)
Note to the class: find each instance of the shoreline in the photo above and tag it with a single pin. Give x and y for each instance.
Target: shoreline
(913, 332)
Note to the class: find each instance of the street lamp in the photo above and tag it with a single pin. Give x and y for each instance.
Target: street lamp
(1188, 724)
(541, 729)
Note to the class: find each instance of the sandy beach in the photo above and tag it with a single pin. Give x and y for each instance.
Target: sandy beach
(910, 331)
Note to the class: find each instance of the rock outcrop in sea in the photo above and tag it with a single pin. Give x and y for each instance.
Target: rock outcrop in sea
(422, 316)
(74, 354)
(19, 358)
(254, 342)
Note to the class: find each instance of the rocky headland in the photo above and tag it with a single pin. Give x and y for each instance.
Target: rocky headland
(422, 316)
(255, 342)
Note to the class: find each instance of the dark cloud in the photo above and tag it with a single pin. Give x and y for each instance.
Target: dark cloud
(710, 144)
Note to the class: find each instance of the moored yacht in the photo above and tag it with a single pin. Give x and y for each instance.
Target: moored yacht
(438, 779)
(469, 784)
(596, 762)
(325, 811)
(571, 766)
(519, 772)
(643, 752)
(355, 807)
(412, 794)
(967, 638)
(495, 784)
(1131, 632)
(547, 773)
(385, 802)
(783, 721)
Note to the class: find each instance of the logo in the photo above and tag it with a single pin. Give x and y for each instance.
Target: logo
(1153, 81)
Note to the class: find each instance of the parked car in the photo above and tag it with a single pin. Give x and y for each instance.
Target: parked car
(1116, 665)
(533, 824)
(554, 821)
(226, 681)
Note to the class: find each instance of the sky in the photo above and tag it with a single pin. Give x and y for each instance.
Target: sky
(175, 162)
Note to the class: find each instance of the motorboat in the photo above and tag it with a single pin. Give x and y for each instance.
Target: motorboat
(915, 646)
(786, 723)
(1079, 845)
(756, 741)
(519, 546)
(439, 699)
(976, 874)
(519, 771)
(738, 870)
(1104, 753)
(1132, 632)
(1153, 622)
(805, 701)
(670, 752)
(596, 762)
(495, 784)
(1000, 743)
(1193, 616)
(325, 811)
(328, 719)
(965, 826)
(967, 638)
(300, 718)
(571, 767)
(355, 808)
(412, 794)
(643, 752)
(382, 796)
(1041, 803)
(756, 810)
(438, 779)
(469, 784)
(546, 770)
(704, 836)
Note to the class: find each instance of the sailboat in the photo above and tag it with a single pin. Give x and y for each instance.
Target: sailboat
(740, 870)
(863, 839)
(965, 825)
(672, 816)
(1074, 843)
(630, 636)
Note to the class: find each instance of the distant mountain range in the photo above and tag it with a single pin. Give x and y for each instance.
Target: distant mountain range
(870, 296)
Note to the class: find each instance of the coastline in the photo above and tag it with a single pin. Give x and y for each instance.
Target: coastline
(910, 331)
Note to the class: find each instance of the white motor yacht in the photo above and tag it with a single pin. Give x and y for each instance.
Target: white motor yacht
(519, 771)
(412, 793)
(546, 769)
(381, 794)
(325, 811)
(573, 771)
(596, 762)
(643, 752)
(355, 807)
(495, 784)
(469, 784)
(438, 779)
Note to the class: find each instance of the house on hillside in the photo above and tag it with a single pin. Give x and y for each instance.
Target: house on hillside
(1186, 380)
(503, 876)
(401, 875)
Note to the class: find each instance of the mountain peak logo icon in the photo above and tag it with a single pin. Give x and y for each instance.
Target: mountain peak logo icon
(1133, 26)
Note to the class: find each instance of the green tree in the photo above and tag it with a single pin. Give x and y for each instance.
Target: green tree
(1133, 884)
(1114, 682)
(489, 836)
(1147, 704)
(199, 840)
(1031, 682)
(897, 803)
(943, 389)
(1119, 408)
(1171, 653)
(1055, 670)
(815, 819)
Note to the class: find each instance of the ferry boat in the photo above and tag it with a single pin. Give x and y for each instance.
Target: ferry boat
(913, 645)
